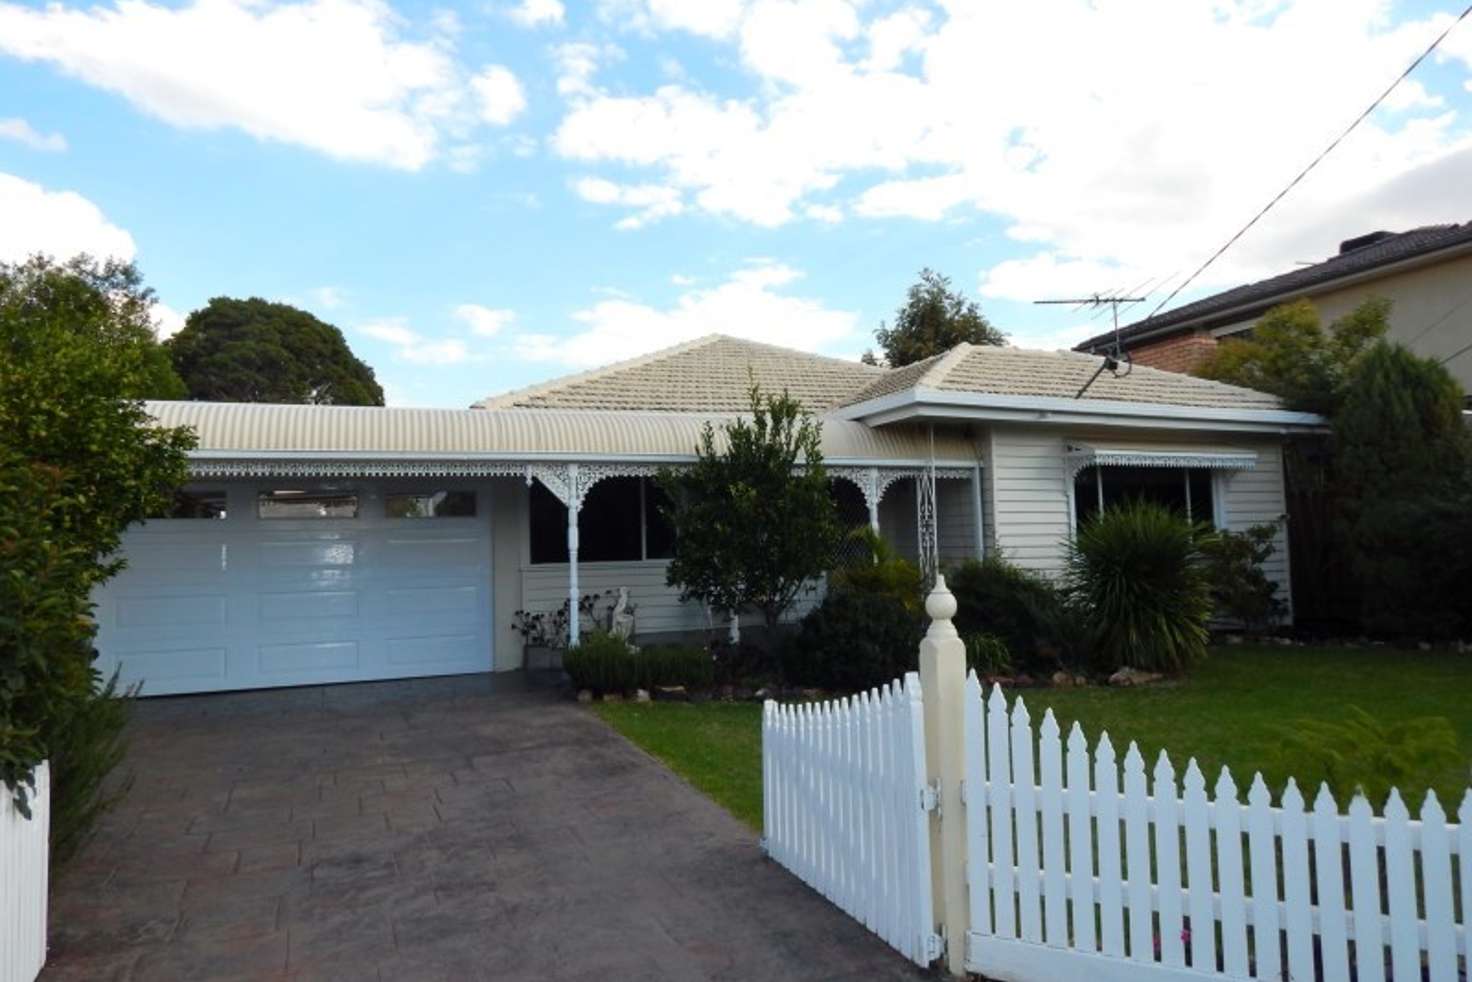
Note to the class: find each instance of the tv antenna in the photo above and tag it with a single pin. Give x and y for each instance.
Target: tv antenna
(1117, 354)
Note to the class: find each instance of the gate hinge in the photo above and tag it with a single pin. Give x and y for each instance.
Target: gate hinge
(935, 947)
(930, 797)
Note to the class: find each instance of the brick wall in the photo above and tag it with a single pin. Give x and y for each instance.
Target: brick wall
(1178, 353)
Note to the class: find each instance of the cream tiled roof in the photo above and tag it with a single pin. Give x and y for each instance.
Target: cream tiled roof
(1004, 371)
(708, 375)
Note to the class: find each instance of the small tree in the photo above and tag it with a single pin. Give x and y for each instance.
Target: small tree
(1403, 469)
(1293, 356)
(754, 522)
(80, 462)
(1239, 587)
(934, 318)
(257, 351)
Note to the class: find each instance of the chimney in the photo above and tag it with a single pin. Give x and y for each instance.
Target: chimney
(1360, 241)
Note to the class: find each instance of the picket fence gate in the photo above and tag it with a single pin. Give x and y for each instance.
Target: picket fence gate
(1066, 864)
(844, 798)
(24, 848)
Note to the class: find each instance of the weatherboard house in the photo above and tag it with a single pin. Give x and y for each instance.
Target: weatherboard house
(328, 544)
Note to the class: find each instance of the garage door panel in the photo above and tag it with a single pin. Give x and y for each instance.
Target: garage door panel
(175, 670)
(460, 648)
(273, 660)
(308, 605)
(438, 601)
(163, 612)
(159, 555)
(288, 552)
(439, 554)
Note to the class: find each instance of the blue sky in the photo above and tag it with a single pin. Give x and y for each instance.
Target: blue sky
(483, 196)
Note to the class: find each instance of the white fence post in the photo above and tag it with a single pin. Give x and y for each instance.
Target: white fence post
(943, 682)
(24, 870)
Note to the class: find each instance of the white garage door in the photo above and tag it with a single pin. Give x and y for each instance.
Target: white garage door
(289, 583)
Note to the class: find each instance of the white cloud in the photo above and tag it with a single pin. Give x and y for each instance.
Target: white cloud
(22, 132)
(336, 76)
(485, 321)
(57, 223)
(166, 321)
(829, 214)
(329, 297)
(577, 62)
(752, 303)
(653, 201)
(535, 13)
(500, 95)
(1112, 137)
(413, 346)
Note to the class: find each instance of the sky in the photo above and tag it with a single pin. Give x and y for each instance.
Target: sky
(486, 195)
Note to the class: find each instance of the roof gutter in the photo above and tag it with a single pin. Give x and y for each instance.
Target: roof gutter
(936, 404)
(1255, 308)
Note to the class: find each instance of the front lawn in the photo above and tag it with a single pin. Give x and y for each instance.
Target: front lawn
(1232, 711)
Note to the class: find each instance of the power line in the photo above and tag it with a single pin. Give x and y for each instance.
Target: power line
(1315, 162)
(1456, 354)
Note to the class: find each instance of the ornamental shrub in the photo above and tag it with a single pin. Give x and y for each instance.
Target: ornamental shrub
(1138, 570)
(853, 640)
(880, 571)
(1019, 607)
(603, 662)
(987, 654)
(1367, 755)
(1240, 590)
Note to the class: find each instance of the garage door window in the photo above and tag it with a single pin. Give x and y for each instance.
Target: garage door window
(303, 504)
(431, 504)
(196, 504)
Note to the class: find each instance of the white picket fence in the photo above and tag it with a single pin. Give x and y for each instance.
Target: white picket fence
(1067, 866)
(24, 845)
(843, 791)
(1071, 875)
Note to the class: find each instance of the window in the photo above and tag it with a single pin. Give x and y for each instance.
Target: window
(196, 504)
(297, 503)
(430, 504)
(1187, 491)
(619, 522)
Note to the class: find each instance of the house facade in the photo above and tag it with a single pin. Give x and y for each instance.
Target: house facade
(327, 544)
(1425, 274)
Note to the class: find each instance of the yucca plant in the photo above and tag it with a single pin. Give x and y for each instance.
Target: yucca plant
(1138, 571)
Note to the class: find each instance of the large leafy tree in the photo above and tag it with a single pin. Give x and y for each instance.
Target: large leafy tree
(754, 521)
(80, 460)
(1402, 456)
(1292, 355)
(258, 351)
(934, 318)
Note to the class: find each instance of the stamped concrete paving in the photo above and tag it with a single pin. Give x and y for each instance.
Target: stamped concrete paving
(427, 830)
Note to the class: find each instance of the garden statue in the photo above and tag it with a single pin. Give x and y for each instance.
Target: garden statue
(621, 616)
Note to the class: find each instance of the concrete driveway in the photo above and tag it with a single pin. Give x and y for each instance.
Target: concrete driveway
(430, 829)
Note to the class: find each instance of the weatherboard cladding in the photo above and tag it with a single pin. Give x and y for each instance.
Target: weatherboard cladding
(254, 428)
(1384, 252)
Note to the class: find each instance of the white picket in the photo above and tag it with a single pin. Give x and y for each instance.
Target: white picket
(1168, 863)
(999, 802)
(1436, 873)
(1137, 856)
(1400, 883)
(1080, 842)
(1228, 813)
(1263, 865)
(1297, 899)
(24, 874)
(1106, 797)
(1464, 852)
(1025, 818)
(978, 852)
(1197, 819)
(1050, 804)
(1329, 878)
(921, 900)
(1364, 879)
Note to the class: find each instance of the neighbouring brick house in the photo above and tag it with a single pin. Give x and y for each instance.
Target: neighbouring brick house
(1426, 273)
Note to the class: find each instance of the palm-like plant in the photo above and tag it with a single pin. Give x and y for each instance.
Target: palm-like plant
(1138, 571)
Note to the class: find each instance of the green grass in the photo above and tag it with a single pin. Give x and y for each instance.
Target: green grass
(1232, 711)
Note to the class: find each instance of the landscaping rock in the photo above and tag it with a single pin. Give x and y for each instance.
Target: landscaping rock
(764, 693)
(1062, 680)
(641, 695)
(1133, 676)
(613, 697)
(671, 693)
(1234, 639)
(1424, 646)
(585, 695)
